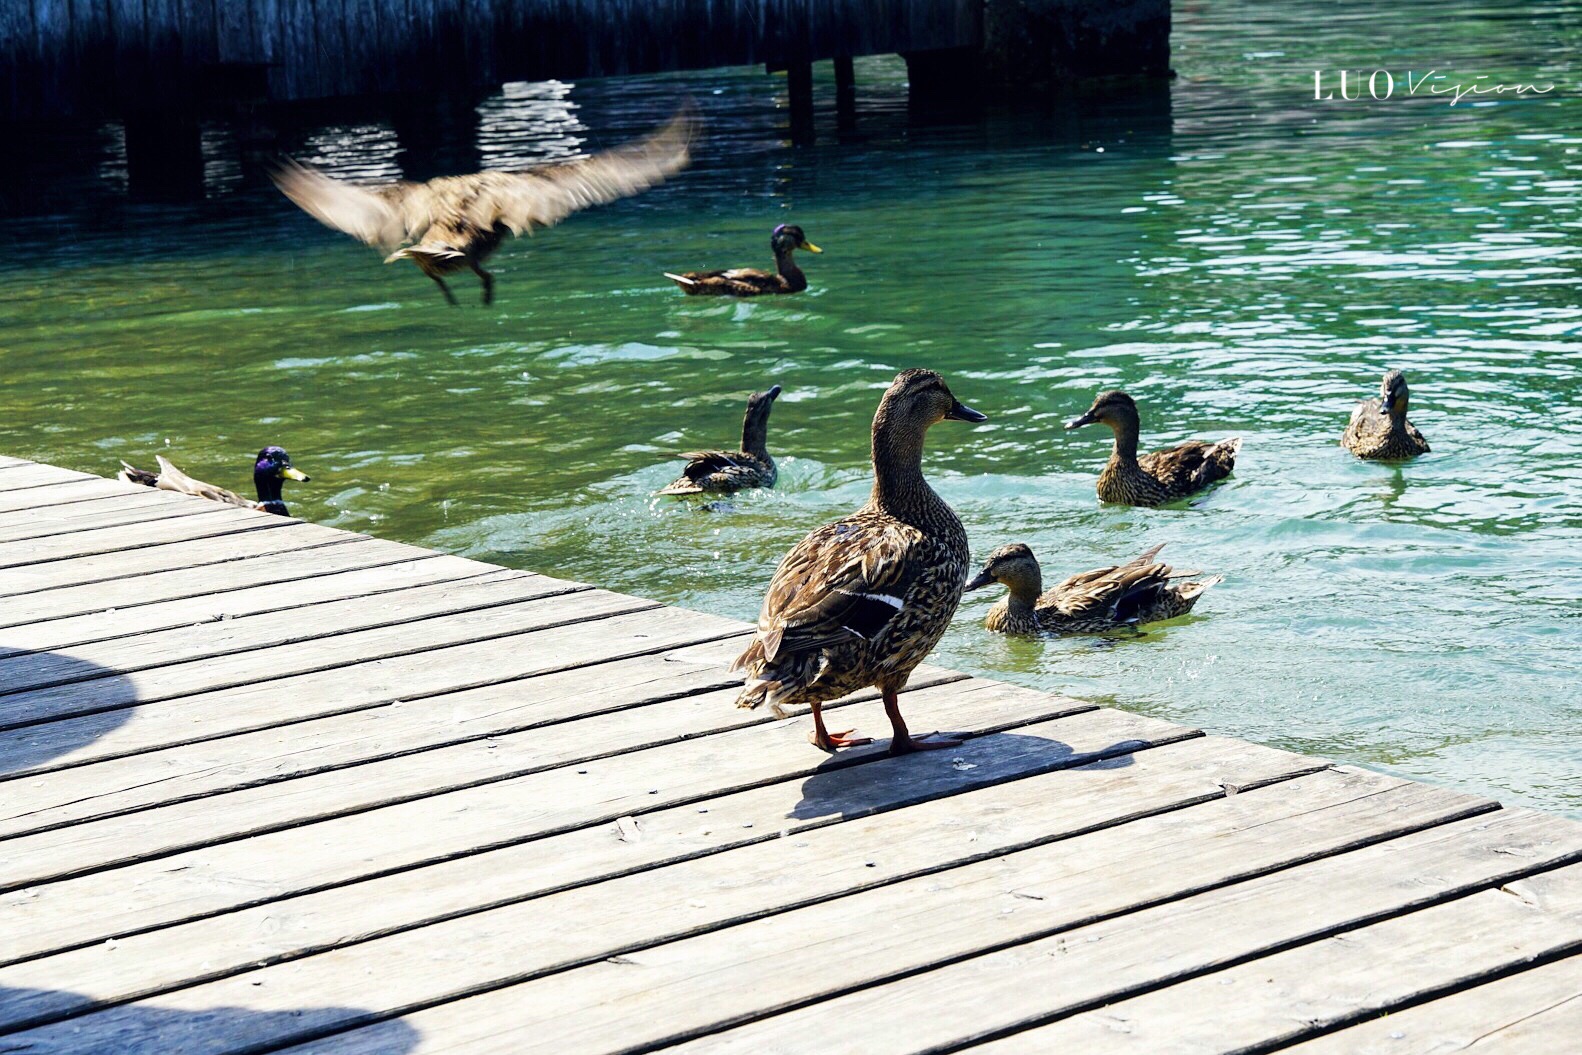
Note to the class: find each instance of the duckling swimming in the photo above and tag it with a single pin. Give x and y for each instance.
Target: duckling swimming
(861, 601)
(270, 470)
(456, 222)
(726, 472)
(750, 281)
(1090, 602)
(1160, 476)
(1379, 430)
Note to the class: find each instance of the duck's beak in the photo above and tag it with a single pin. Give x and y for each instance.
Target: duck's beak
(982, 579)
(293, 473)
(774, 392)
(1077, 423)
(810, 247)
(959, 411)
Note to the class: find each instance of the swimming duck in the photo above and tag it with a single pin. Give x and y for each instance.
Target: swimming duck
(1090, 602)
(750, 281)
(1379, 429)
(1158, 477)
(725, 472)
(272, 467)
(861, 601)
(455, 222)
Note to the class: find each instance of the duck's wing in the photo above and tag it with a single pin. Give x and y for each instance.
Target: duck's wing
(726, 468)
(1367, 419)
(1417, 437)
(388, 215)
(131, 474)
(173, 479)
(1193, 464)
(843, 582)
(1113, 593)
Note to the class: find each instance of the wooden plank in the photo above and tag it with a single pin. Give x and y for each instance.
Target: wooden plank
(474, 765)
(463, 611)
(75, 614)
(101, 513)
(8, 462)
(514, 643)
(85, 489)
(136, 536)
(38, 475)
(644, 994)
(830, 856)
(1075, 965)
(209, 554)
(1278, 999)
(333, 852)
(412, 591)
(1536, 1012)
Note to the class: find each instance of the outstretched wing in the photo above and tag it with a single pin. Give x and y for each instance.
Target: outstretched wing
(842, 582)
(391, 214)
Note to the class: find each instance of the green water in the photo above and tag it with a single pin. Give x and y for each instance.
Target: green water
(1243, 259)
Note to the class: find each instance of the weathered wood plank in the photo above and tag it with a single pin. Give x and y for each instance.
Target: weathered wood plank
(700, 979)
(829, 856)
(1536, 1012)
(38, 475)
(73, 615)
(336, 851)
(210, 554)
(86, 489)
(462, 612)
(86, 516)
(490, 648)
(136, 536)
(412, 591)
(478, 765)
(1278, 999)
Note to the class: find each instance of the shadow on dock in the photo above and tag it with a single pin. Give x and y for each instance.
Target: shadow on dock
(41, 726)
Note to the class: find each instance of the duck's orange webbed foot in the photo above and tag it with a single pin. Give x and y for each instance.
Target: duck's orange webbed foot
(902, 745)
(834, 741)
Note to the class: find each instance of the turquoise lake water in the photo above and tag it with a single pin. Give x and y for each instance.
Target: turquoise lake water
(1243, 259)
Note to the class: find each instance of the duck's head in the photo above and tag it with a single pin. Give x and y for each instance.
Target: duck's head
(1394, 395)
(787, 237)
(1014, 566)
(1113, 408)
(275, 464)
(755, 425)
(920, 399)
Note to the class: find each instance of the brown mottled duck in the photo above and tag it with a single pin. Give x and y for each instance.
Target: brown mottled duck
(861, 601)
(1090, 602)
(750, 281)
(453, 223)
(270, 470)
(726, 472)
(1379, 429)
(1160, 476)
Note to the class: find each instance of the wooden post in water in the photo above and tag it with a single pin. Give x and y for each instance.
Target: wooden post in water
(845, 93)
(799, 82)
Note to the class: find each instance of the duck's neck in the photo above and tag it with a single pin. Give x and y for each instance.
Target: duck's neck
(898, 485)
(1397, 421)
(268, 486)
(785, 264)
(1125, 452)
(1023, 596)
(755, 435)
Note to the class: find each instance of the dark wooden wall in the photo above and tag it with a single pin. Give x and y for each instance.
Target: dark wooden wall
(112, 57)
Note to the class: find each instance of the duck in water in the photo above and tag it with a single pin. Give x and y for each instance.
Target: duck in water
(270, 471)
(1379, 430)
(1159, 476)
(726, 472)
(750, 281)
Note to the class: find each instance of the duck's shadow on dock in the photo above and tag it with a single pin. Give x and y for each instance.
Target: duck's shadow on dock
(144, 1028)
(47, 707)
(846, 789)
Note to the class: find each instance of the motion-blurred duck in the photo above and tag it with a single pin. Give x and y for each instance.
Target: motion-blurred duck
(726, 472)
(1091, 602)
(271, 469)
(1379, 430)
(1160, 476)
(861, 601)
(750, 281)
(454, 222)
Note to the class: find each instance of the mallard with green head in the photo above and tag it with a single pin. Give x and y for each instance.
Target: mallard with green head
(861, 601)
(453, 223)
(750, 281)
(1379, 430)
(1090, 602)
(726, 472)
(1158, 477)
(270, 471)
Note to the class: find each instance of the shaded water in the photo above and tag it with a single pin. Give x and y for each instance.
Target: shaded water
(1243, 259)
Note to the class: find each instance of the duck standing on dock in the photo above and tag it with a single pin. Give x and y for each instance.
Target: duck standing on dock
(861, 601)
(726, 472)
(270, 470)
(1160, 476)
(455, 222)
(1090, 602)
(750, 281)
(1379, 430)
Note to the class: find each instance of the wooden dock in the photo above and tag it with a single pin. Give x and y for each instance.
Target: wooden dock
(270, 786)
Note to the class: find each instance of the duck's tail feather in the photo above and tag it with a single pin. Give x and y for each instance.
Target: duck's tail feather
(131, 474)
(682, 486)
(431, 252)
(680, 280)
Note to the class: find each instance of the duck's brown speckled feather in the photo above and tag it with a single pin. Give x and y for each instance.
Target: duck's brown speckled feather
(1371, 434)
(1142, 590)
(170, 478)
(722, 472)
(1167, 475)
